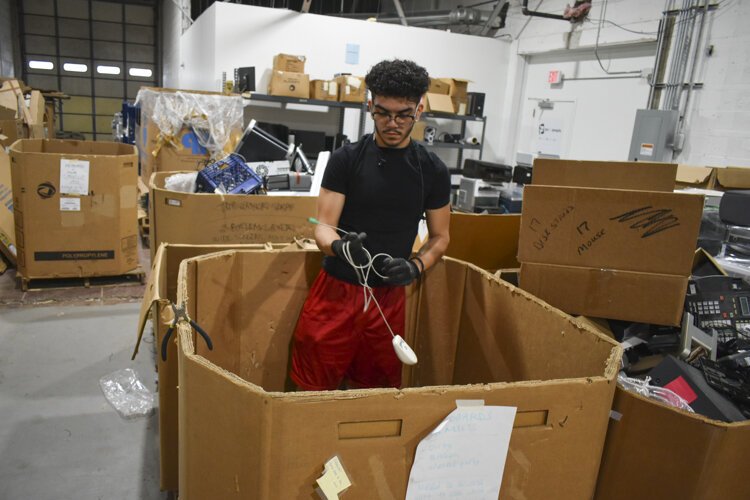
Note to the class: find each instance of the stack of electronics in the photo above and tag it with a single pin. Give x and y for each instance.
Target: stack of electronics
(261, 161)
(734, 212)
(493, 188)
(707, 360)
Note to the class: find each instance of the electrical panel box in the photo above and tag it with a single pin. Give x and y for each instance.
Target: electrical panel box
(653, 135)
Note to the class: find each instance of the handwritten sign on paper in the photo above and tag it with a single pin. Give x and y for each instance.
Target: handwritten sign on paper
(464, 457)
(74, 177)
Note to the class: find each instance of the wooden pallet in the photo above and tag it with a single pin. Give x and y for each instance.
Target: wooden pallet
(144, 227)
(137, 275)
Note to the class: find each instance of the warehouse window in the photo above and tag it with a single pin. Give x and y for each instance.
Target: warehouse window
(41, 65)
(87, 48)
(75, 68)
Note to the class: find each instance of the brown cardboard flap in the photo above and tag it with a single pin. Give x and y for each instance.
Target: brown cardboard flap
(638, 176)
(644, 231)
(440, 103)
(150, 295)
(699, 176)
(608, 293)
(733, 177)
(701, 257)
(488, 241)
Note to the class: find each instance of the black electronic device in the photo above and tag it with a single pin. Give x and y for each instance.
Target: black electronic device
(487, 171)
(254, 148)
(244, 79)
(737, 242)
(522, 174)
(734, 208)
(475, 106)
(450, 138)
(719, 302)
(310, 141)
(732, 380)
(689, 383)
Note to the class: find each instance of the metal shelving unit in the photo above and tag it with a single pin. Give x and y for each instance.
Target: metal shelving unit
(340, 107)
(464, 119)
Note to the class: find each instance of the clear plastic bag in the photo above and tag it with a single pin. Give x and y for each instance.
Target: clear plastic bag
(212, 117)
(661, 394)
(127, 394)
(184, 183)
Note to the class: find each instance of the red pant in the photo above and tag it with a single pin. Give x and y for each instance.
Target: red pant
(336, 339)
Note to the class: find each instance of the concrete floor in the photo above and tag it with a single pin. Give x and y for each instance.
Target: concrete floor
(59, 438)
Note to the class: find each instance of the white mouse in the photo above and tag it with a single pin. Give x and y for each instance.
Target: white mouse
(403, 351)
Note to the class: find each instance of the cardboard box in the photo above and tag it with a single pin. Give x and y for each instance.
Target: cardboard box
(182, 151)
(214, 219)
(324, 90)
(438, 86)
(695, 177)
(284, 83)
(487, 241)
(438, 103)
(476, 337)
(732, 178)
(7, 225)
(611, 253)
(161, 291)
(657, 451)
(351, 88)
(289, 63)
(417, 131)
(458, 87)
(10, 131)
(460, 104)
(74, 206)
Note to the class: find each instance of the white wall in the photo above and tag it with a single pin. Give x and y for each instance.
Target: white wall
(719, 118)
(173, 23)
(250, 36)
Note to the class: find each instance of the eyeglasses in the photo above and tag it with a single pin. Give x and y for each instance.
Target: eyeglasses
(400, 118)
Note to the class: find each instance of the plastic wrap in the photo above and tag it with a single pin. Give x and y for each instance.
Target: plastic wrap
(127, 394)
(184, 183)
(212, 117)
(661, 394)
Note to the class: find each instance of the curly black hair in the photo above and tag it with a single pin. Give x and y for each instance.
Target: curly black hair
(398, 78)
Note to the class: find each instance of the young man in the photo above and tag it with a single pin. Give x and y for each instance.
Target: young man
(377, 190)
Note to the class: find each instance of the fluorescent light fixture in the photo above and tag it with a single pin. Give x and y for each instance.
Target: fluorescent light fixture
(146, 73)
(75, 68)
(41, 65)
(108, 70)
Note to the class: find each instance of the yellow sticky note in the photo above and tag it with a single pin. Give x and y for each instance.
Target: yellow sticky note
(334, 479)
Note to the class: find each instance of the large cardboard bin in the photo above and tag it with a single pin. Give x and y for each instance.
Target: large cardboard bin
(214, 219)
(160, 293)
(242, 436)
(74, 205)
(608, 239)
(656, 451)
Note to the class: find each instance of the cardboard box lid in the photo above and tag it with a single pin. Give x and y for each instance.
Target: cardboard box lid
(440, 103)
(640, 176)
(733, 177)
(689, 174)
(644, 231)
(7, 113)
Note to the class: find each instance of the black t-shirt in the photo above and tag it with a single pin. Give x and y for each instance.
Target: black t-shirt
(387, 190)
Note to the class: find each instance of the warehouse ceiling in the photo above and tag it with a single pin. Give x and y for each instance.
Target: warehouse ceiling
(482, 18)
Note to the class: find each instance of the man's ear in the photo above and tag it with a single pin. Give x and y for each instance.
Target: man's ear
(369, 105)
(420, 109)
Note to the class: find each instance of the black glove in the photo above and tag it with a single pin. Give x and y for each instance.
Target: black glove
(399, 272)
(356, 250)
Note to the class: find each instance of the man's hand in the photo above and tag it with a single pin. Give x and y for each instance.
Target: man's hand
(356, 250)
(399, 272)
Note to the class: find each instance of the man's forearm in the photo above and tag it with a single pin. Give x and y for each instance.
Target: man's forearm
(433, 250)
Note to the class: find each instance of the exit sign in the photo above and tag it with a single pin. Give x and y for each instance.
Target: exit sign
(554, 77)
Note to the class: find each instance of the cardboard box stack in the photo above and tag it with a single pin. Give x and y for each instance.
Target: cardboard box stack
(7, 224)
(458, 88)
(437, 98)
(609, 239)
(22, 113)
(288, 77)
(213, 219)
(74, 207)
(175, 133)
(476, 338)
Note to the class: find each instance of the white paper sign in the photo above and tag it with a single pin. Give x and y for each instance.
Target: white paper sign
(464, 457)
(334, 480)
(548, 140)
(74, 177)
(647, 149)
(70, 204)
